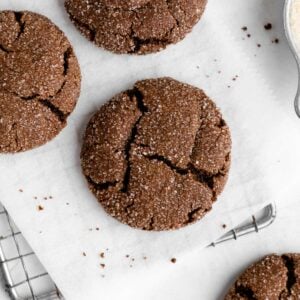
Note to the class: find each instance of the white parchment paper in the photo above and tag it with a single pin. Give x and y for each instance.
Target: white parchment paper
(264, 148)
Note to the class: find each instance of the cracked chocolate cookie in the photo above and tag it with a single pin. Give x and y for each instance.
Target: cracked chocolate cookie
(135, 26)
(157, 156)
(39, 80)
(274, 277)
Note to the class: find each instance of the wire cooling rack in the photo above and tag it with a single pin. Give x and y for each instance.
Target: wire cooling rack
(24, 275)
(255, 223)
(26, 278)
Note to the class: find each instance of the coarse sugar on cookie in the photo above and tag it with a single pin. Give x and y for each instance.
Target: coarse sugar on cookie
(157, 156)
(39, 80)
(135, 26)
(275, 277)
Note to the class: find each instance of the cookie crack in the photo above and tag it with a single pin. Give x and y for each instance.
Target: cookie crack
(67, 55)
(132, 94)
(167, 162)
(36, 95)
(103, 185)
(139, 43)
(204, 178)
(151, 223)
(291, 276)
(55, 110)
(92, 32)
(127, 207)
(245, 292)
(47, 102)
(191, 215)
(200, 176)
(222, 123)
(168, 2)
(14, 129)
(18, 17)
(5, 49)
(60, 89)
(135, 92)
(31, 97)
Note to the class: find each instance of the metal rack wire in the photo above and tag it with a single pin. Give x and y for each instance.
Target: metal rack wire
(256, 223)
(26, 278)
(24, 275)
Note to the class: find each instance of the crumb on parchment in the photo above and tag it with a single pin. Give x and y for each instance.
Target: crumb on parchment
(40, 207)
(173, 260)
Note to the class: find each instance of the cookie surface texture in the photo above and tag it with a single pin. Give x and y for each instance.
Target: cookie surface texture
(274, 278)
(39, 80)
(157, 156)
(135, 26)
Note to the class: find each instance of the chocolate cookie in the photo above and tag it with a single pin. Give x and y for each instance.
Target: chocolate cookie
(157, 156)
(274, 278)
(39, 80)
(135, 26)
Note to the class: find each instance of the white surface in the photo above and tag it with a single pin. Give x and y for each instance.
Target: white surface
(276, 128)
(208, 274)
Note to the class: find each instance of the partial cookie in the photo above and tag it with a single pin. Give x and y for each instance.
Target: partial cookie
(39, 80)
(157, 156)
(136, 26)
(274, 277)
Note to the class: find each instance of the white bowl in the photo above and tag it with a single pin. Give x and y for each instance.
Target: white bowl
(294, 43)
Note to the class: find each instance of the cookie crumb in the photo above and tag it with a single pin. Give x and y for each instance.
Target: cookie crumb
(102, 266)
(20, 190)
(173, 260)
(244, 28)
(35, 197)
(145, 257)
(50, 197)
(224, 226)
(249, 35)
(276, 41)
(40, 207)
(102, 255)
(132, 259)
(268, 26)
(45, 198)
(67, 203)
(97, 228)
(127, 255)
(258, 45)
(83, 253)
